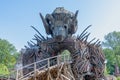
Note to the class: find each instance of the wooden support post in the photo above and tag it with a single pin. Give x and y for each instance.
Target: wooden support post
(64, 60)
(68, 58)
(17, 74)
(48, 62)
(35, 70)
(58, 59)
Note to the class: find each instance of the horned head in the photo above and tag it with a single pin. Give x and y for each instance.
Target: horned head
(60, 24)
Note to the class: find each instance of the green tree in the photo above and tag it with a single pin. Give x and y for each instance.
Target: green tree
(112, 40)
(110, 56)
(3, 70)
(112, 49)
(8, 54)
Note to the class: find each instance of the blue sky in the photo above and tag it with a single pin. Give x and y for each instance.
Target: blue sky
(16, 17)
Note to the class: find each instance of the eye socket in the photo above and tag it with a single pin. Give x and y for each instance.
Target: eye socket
(49, 22)
(65, 26)
(52, 28)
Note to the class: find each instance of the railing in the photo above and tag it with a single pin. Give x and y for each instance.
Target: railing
(36, 66)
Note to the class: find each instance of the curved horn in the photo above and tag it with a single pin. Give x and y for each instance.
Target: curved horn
(45, 24)
(76, 13)
(74, 29)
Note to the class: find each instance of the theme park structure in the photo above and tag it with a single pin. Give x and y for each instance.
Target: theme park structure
(86, 60)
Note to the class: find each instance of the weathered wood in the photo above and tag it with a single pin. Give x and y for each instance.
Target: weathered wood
(87, 57)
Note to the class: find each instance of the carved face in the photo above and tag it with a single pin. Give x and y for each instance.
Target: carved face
(59, 28)
(60, 24)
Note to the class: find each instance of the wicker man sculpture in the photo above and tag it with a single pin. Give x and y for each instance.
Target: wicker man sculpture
(87, 57)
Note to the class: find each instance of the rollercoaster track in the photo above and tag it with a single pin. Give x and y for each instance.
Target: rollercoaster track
(61, 61)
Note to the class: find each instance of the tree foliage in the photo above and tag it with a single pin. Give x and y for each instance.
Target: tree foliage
(110, 56)
(112, 50)
(8, 53)
(3, 70)
(112, 40)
